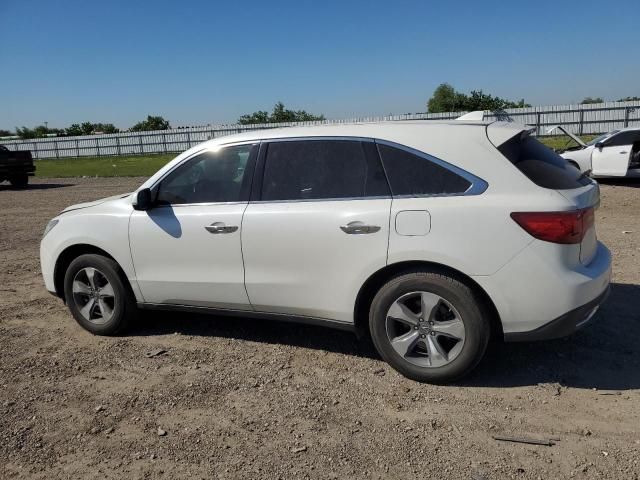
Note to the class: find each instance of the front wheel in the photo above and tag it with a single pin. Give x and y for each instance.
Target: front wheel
(19, 181)
(428, 326)
(97, 295)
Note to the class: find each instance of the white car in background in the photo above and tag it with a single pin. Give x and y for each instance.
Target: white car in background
(429, 236)
(614, 154)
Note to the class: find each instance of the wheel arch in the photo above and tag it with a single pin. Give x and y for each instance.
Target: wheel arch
(573, 162)
(72, 252)
(371, 286)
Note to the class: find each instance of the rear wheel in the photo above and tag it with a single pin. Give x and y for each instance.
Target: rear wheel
(429, 326)
(97, 295)
(19, 181)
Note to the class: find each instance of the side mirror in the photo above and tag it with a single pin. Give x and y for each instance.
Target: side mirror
(143, 200)
(599, 145)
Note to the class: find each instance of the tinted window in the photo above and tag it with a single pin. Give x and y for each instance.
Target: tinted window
(208, 177)
(541, 165)
(411, 174)
(320, 169)
(623, 138)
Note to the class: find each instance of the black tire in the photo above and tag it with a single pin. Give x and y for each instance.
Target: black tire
(470, 307)
(19, 181)
(124, 304)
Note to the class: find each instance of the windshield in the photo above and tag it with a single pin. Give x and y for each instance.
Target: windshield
(600, 138)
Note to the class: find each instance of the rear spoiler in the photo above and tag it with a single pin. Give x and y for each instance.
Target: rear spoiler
(476, 116)
(501, 132)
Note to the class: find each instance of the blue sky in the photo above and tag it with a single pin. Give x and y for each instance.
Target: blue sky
(198, 62)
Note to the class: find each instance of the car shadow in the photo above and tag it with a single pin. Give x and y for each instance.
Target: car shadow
(620, 182)
(34, 186)
(165, 218)
(603, 355)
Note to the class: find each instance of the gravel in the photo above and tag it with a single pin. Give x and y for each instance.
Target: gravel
(245, 398)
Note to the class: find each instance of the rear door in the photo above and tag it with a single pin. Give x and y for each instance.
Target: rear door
(319, 226)
(612, 159)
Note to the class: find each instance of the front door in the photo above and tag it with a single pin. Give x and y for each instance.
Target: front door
(186, 249)
(612, 159)
(318, 229)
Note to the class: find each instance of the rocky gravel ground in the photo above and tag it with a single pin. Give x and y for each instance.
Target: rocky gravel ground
(187, 396)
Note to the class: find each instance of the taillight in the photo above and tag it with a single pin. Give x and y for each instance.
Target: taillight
(557, 227)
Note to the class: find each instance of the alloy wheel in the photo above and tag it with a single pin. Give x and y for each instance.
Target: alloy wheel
(93, 295)
(425, 329)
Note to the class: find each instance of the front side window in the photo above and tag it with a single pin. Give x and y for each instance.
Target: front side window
(320, 169)
(623, 138)
(212, 176)
(414, 175)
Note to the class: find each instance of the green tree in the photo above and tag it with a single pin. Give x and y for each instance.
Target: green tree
(261, 116)
(280, 114)
(588, 100)
(5, 133)
(628, 99)
(105, 128)
(445, 98)
(74, 130)
(151, 123)
(87, 128)
(37, 132)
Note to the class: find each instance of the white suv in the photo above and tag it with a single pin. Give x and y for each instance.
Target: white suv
(431, 237)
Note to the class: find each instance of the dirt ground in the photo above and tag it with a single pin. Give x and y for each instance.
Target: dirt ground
(239, 398)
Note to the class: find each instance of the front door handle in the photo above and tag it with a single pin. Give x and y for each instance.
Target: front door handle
(220, 227)
(359, 228)
(622, 153)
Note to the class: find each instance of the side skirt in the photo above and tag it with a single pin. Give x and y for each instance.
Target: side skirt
(278, 317)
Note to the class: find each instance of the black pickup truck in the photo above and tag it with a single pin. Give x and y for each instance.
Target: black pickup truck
(16, 167)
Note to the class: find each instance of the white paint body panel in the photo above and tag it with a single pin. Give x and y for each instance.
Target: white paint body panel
(299, 261)
(292, 257)
(178, 262)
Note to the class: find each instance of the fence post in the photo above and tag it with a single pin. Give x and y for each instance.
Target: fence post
(164, 142)
(189, 138)
(141, 147)
(97, 146)
(35, 150)
(581, 124)
(55, 144)
(626, 116)
(118, 146)
(77, 148)
(538, 123)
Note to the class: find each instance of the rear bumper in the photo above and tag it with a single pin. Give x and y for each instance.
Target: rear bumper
(10, 170)
(562, 326)
(544, 285)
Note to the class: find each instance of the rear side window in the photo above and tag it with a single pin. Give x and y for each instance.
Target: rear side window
(541, 165)
(320, 169)
(411, 174)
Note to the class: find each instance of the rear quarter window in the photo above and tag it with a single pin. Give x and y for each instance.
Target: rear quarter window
(541, 165)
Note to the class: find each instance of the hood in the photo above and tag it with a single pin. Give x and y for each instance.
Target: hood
(566, 132)
(78, 206)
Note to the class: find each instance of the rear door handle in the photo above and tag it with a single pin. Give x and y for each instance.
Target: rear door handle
(358, 228)
(220, 227)
(622, 153)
